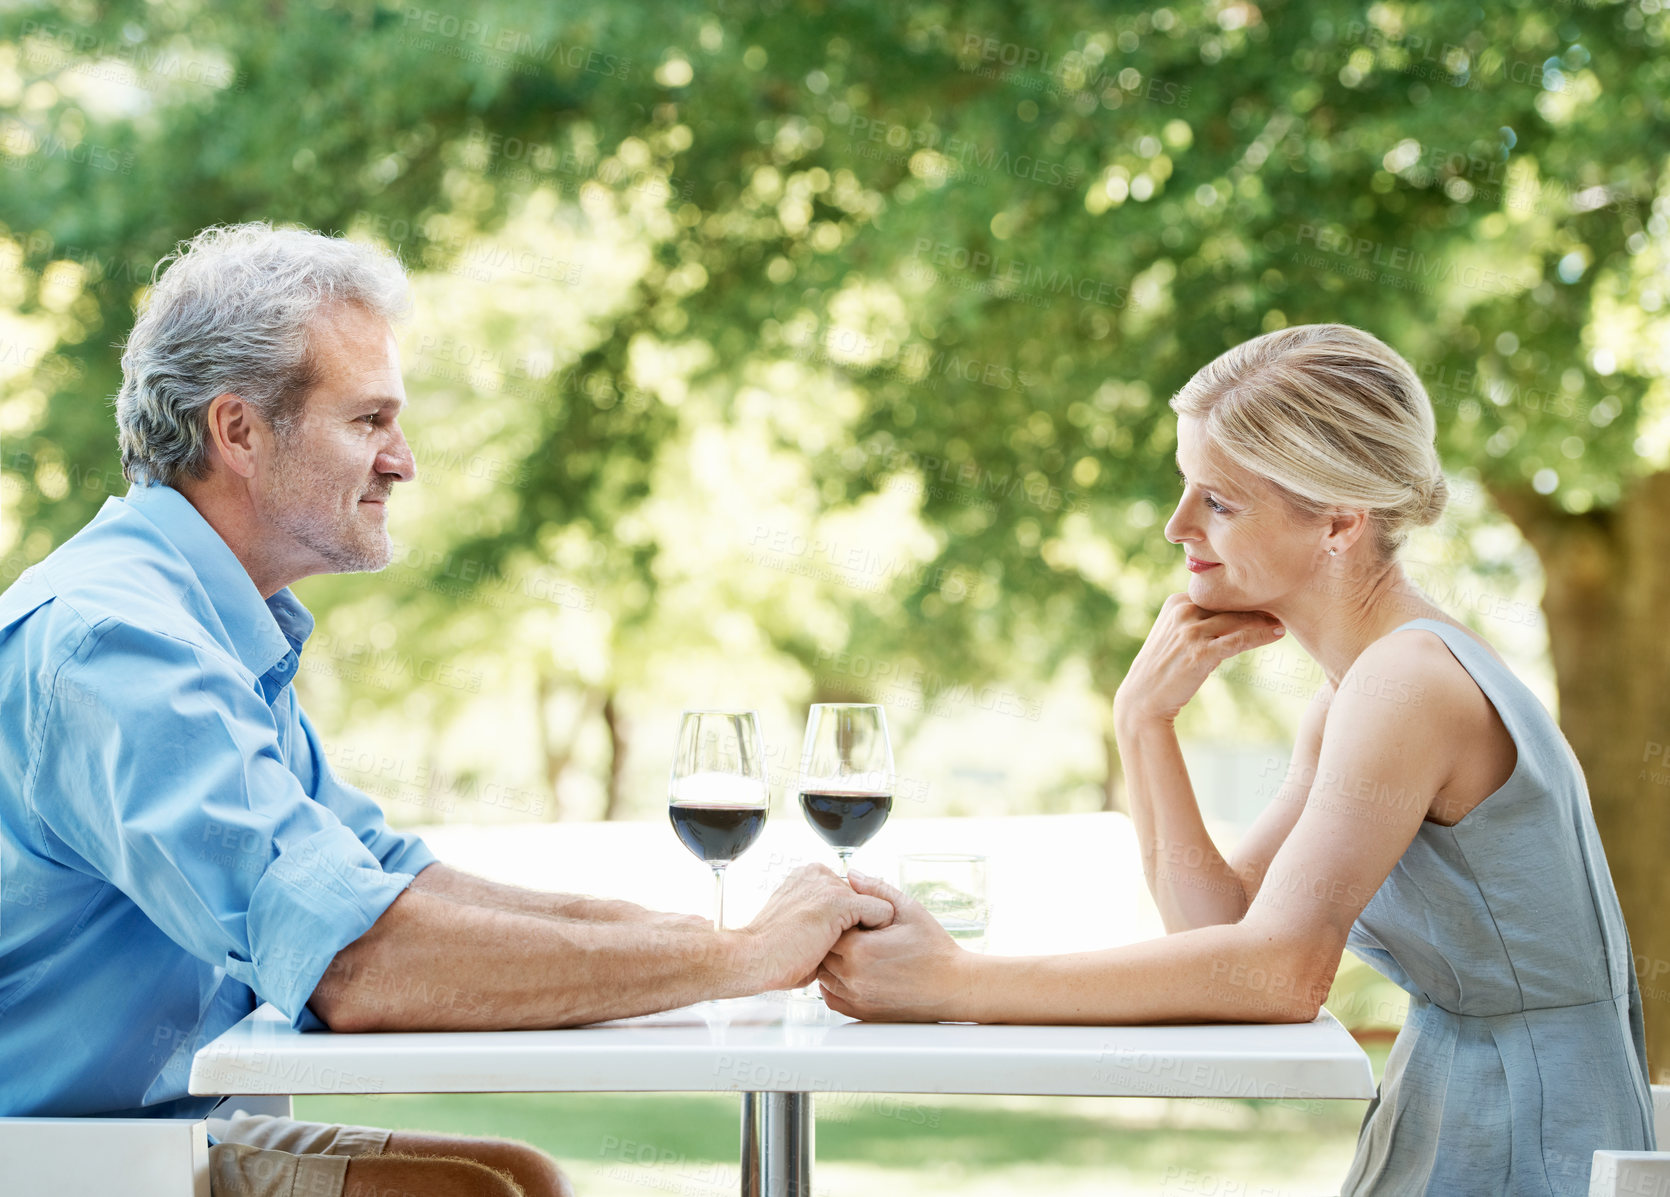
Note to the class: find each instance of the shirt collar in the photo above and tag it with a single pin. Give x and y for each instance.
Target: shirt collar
(267, 635)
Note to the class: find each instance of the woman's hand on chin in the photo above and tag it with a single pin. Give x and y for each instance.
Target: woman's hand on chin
(910, 971)
(1186, 643)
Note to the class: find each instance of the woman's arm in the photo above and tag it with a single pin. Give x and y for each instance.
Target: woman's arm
(1269, 831)
(915, 972)
(1381, 762)
(1192, 884)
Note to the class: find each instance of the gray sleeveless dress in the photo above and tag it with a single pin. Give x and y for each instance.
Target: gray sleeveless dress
(1523, 1051)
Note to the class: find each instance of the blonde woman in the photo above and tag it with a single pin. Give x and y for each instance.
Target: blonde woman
(1433, 818)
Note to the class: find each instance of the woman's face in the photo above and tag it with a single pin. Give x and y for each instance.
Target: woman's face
(1262, 551)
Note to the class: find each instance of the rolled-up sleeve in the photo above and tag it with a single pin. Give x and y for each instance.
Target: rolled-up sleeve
(159, 767)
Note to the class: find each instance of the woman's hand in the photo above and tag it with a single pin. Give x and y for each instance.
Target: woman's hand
(910, 971)
(810, 911)
(1184, 646)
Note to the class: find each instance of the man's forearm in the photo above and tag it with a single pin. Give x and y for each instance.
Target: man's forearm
(437, 963)
(444, 881)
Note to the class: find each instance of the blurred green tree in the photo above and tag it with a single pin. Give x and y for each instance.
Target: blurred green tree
(939, 265)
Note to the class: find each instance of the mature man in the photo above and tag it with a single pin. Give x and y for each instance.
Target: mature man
(173, 844)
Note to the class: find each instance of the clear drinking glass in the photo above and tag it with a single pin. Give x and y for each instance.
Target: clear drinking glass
(717, 796)
(952, 887)
(846, 774)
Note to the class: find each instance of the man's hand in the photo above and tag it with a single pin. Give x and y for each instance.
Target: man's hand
(911, 972)
(437, 961)
(802, 921)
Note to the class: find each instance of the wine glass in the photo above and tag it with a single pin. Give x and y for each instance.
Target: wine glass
(717, 796)
(846, 774)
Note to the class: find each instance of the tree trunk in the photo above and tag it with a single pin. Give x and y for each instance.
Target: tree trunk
(1607, 601)
(557, 753)
(617, 756)
(555, 757)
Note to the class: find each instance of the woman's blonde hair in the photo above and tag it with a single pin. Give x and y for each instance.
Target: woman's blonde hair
(1333, 417)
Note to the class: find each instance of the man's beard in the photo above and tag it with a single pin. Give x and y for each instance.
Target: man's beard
(345, 546)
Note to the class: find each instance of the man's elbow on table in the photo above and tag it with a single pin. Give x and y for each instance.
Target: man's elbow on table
(358, 991)
(340, 1008)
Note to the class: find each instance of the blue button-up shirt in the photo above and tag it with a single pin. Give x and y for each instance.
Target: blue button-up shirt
(174, 848)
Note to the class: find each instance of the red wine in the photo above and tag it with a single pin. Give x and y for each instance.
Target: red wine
(717, 832)
(843, 818)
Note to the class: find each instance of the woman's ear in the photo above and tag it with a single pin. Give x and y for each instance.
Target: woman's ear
(1345, 528)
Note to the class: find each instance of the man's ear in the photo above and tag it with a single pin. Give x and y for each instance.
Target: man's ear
(239, 436)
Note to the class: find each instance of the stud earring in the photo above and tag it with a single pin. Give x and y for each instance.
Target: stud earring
(1331, 552)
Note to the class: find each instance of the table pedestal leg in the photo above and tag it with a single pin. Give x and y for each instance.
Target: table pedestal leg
(776, 1145)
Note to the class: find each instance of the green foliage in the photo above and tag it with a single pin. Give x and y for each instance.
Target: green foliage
(917, 277)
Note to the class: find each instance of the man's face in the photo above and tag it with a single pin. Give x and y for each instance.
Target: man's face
(332, 472)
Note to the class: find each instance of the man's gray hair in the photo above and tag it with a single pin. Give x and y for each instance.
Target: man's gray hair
(231, 313)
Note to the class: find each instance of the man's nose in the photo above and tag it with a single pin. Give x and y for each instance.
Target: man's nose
(398, 458)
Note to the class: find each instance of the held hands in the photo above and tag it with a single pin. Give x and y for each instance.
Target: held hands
(912, 971)
(1184, 646)
(802, 921)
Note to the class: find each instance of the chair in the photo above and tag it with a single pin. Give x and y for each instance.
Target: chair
(136, 1157)
(1636, 1173)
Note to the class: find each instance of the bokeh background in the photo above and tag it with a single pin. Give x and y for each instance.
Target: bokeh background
(770, 353)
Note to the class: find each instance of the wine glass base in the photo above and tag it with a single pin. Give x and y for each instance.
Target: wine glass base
(808, 998)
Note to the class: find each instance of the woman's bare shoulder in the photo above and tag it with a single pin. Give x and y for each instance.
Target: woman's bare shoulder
(1406, 666)
(1436, 638)
(1415, 666)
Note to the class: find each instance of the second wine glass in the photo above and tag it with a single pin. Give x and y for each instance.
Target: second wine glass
(846, 774)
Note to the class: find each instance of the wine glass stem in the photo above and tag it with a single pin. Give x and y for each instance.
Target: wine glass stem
(719, 897)
(845, 854)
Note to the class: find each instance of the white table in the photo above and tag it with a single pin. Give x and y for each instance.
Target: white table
(777, 1051)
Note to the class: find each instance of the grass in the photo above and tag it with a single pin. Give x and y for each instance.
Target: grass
(617, 1144)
